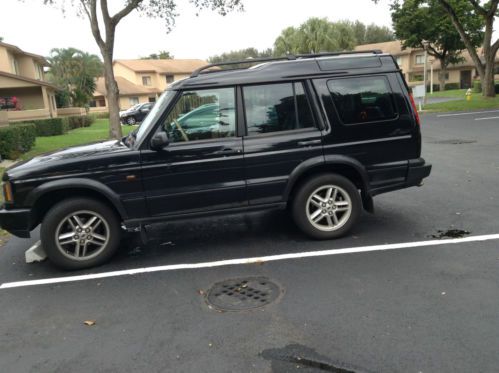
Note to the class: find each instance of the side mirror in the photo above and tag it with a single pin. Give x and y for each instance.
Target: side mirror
(159, 141)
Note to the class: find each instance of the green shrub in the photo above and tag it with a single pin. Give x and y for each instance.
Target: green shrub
(17, 139)
(103, 115)
(79, 121)
(477, 86)
(50, 127)
(451, 86)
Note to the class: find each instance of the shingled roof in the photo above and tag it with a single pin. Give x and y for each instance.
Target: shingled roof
(126, 87)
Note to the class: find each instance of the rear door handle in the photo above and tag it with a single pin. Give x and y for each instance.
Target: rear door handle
(309, 142)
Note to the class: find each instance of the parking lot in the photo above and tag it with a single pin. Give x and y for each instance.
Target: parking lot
(397, 304)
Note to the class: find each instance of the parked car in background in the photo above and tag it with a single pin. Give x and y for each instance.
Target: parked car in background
(320, 135)
(136, 114)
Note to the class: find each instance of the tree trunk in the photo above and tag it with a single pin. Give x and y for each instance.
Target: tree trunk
(441, 75)
(113, 99)
(488, 87)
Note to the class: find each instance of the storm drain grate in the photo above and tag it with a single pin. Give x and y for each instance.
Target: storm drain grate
(455, 142)
(242, 294)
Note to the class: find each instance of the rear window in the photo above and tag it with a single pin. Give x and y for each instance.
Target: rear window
(362, 99)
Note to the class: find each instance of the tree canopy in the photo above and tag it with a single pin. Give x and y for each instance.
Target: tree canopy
(320, 35)
(426, 25)
(103, 26)
(74, 72)
(161, 55)
(240, 55)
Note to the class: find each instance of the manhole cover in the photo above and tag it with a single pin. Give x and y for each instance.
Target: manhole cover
(455, 142)
(242, 294)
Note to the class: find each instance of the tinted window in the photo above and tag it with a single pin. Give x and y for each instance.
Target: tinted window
(360, 100)
(202, 115)
(276, 107)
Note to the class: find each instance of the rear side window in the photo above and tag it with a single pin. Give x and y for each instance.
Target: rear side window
(276, 107)
(362, 99)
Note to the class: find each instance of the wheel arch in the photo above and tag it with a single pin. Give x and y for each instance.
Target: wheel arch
(338, 164)
(42, 197)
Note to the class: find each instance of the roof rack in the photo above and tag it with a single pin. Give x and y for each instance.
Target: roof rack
(289, 57)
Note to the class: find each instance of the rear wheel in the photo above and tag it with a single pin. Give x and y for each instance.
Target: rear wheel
(326, 206)
(80, 233)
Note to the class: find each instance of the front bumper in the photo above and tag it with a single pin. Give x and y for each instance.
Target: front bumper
(16, 221)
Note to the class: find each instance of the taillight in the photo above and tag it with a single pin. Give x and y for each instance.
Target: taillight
(413, 103)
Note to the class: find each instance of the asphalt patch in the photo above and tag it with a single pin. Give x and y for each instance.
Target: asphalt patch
(304, 359)
(450, 233)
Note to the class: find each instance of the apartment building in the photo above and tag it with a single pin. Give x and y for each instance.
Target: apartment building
(411, 61)
(142, 81)
(24, 92)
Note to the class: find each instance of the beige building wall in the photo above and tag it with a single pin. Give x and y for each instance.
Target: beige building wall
(27, 67)
(125, 72)
(4, 60)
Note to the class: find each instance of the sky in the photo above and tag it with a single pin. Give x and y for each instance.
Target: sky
(37, 28)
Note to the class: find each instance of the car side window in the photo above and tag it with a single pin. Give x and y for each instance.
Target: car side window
(202, 115)
(362, 99)
(276, 107)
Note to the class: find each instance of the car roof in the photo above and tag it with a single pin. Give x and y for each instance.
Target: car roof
(275, 70)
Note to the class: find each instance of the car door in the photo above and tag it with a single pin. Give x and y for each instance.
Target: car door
(202, 168)
(281, 133)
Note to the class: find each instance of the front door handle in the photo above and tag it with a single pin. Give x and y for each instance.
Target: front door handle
(309, 142)
(228, 151)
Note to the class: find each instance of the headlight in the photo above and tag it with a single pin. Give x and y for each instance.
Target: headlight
(7, 192)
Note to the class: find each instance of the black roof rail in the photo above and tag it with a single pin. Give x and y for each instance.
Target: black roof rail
(288, 57)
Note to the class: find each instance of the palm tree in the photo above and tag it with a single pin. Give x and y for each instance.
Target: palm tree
(74, 72)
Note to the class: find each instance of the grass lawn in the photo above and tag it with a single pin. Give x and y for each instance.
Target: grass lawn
(96, 132)
(478, 102)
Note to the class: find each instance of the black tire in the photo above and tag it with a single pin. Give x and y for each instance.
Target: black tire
(131, 121)
(63, 256)
(347, 193)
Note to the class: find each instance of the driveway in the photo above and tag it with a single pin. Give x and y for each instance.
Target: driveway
(400, 294)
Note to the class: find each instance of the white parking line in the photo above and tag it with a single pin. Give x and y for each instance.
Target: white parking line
(271, 258)
(468, 113)
(489, 118)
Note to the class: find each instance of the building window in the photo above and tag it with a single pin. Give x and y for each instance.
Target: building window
(92, 103)
(362, 100)
(416, 77)
(276, 107)
(133, 101)
(169, 79)
(152, 99)
(14, 65)
(419, 59)
(102, 102)
(146, 80)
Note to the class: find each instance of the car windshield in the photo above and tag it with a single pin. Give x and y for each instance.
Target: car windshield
(156, 111)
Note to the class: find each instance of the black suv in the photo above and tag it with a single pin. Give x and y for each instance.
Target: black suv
(320, 134)
(136, 113)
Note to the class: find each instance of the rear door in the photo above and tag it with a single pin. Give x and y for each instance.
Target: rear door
(281, 133)
(370, 121)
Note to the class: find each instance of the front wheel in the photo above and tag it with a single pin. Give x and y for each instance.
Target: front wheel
(131, 121)
(326, 206)
(80, 233)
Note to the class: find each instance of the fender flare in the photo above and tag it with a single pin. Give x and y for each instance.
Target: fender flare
(77, 183)
(331, 160)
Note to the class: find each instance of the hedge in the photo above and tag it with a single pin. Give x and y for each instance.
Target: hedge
(102, 115)
(50, 127)
(451, 86)
(16, 140)
(79, 121)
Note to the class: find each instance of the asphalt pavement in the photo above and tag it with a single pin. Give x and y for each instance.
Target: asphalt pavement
(427, 308)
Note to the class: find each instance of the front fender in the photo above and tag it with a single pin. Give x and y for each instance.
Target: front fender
(77, 183)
